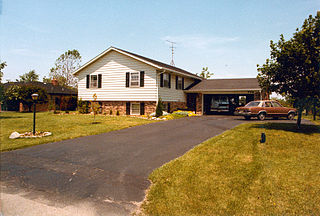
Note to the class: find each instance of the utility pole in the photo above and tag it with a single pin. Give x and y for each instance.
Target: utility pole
(172, 51)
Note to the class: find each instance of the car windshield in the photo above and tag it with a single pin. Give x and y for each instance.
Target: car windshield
(253, 104)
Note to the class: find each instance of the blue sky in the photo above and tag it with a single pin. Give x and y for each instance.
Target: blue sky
(229, 37)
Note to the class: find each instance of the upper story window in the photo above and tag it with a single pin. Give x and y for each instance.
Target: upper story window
(134, 79)
(93, 81)
(166, 80)
(179, 82)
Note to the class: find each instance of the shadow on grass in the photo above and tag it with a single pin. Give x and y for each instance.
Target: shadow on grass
(9, 117)
(96, 123)
(290, 127)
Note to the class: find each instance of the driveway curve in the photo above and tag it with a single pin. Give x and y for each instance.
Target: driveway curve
(108, 172)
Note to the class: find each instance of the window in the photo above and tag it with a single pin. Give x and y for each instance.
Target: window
(276, 104)
(166, 80)
(93, 81)
(135, 108)
(253, 104)
(179, 82)
(267, 104)
(134, 79)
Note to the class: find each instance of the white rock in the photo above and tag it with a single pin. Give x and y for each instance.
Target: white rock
(14, 135)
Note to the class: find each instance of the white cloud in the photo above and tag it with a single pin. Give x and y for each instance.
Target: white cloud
(199, 41)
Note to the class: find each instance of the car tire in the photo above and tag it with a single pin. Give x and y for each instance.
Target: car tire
(247, 117)
(290, 116)
(262, 116)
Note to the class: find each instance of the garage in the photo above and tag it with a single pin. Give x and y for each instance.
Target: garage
(223, 96)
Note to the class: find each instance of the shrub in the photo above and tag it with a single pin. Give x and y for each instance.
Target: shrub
(83, 106)
(110, 112)
(118, 112)
(159, 108)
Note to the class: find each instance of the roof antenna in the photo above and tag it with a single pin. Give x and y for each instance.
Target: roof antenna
(172, 51)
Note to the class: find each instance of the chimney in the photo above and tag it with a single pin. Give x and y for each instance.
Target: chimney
(54, 82)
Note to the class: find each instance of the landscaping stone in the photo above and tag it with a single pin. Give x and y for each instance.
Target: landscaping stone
(14, 135)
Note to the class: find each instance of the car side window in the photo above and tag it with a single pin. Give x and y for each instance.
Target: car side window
(276, 104)
(267, 104)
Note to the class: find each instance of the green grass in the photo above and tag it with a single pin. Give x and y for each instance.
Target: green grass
(234, 174)
(62, 127)
(310, 117)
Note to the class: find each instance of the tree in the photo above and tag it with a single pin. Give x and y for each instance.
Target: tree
(293, 67)
(23, 94)
(205, 73)
(95, 106)
(31, 76)
(159, 108)
(64, 67)
(2, 66)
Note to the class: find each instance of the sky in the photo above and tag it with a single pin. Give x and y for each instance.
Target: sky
(228, 37)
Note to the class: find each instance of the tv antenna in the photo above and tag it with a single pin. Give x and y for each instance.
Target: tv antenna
(172, 51)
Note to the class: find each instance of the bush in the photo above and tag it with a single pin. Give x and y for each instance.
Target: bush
(159, 109)
(83, 106)
(118, 113)
(110, 112)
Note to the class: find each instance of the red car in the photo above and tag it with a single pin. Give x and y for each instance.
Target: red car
(265, 108)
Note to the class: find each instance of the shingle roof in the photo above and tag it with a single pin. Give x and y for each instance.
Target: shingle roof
(160, 64)
(152, 62)
(226, 85)
(49, 87)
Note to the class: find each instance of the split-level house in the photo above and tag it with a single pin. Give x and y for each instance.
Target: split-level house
(133, 84)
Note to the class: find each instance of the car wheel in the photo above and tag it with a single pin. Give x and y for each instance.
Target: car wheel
(290, 116)
(247, 117)
(262, 116)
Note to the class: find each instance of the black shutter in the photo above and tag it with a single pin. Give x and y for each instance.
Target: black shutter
(99, 80)
(168, 108)
(142, 108)
(141, 78)
(169, 80)
(161, 80)
(176, 82)
(88, 81)
(127, 79)
(128, 108)
(182, 83)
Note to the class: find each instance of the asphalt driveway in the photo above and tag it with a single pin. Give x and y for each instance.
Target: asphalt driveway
(109, 171)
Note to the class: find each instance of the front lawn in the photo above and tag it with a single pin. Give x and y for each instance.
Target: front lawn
(235, 174)
(63, 127)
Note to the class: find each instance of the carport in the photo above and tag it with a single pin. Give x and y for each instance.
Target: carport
(223, 96)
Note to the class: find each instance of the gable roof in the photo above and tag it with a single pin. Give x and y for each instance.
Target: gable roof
(153, 63)
(239, 84)
(49, 87)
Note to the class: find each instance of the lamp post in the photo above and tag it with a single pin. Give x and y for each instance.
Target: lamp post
(34, 98)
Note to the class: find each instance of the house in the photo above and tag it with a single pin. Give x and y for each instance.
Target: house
(132, 84)
(57, 95)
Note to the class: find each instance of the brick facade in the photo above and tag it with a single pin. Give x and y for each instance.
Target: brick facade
(175, 105)
(199, 104)
(149, 107)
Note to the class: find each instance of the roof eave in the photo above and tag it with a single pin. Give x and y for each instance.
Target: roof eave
(222, 90)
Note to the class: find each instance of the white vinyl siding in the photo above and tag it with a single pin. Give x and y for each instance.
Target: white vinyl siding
(173, 94)
(113, 67)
